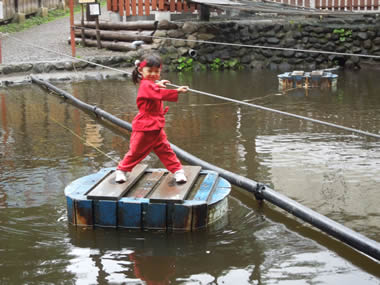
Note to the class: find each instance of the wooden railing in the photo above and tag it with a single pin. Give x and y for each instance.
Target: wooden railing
(143, 7)
(335, 5)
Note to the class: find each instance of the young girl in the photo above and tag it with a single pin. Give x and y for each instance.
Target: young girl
(148, 126)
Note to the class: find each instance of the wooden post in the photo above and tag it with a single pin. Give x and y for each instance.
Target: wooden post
(72, 35)
(1, 58)
(82, 28)
(98, 32)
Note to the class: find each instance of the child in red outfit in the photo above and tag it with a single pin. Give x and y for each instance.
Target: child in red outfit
(147, 127)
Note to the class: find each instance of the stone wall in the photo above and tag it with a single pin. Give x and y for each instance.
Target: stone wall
(357, 34)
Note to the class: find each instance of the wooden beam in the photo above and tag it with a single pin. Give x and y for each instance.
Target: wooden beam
(170, 191)
(108, 189)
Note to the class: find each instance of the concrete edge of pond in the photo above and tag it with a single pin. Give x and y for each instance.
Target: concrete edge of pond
(64, 76)
(64, 70)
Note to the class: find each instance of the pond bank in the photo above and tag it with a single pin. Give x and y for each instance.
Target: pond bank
(254, 44)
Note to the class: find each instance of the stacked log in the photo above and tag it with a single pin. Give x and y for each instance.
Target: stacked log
(123, 36)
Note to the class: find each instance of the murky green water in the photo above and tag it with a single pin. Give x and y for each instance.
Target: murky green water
(46, 143)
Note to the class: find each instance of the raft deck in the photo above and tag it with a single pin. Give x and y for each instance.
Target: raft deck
(150, 199)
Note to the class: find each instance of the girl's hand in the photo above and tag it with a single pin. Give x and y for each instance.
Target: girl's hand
(183, 89)
(162, 83)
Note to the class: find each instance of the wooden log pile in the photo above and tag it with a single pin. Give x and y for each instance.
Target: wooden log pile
(123, 36)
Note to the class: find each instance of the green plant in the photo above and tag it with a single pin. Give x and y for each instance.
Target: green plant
(229, 64)
(185, 64)
(216, 64)
(343, 34)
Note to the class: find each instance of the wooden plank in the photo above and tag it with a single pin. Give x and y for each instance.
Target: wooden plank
(161, 5)
(181, 217)
(121, 8)
(108, 189)
(133, 4)
(83, 213)
(154, 5)
(185, 7)
(207, 187)
(147, 7)
(170, 191)
(105, 213)
(141, 191)
(199, 216)
(141, 12)
(172, 5)
(114, 6)
(127, 8)
(342, 5)
(179, 6)
(355, 5)
(129, 214)
(154, 216)
(70, 210)
(109, 5)
(349, 5)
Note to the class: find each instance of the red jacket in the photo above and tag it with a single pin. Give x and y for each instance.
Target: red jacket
(150, 105)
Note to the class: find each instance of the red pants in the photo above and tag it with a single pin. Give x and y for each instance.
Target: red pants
(142, 143)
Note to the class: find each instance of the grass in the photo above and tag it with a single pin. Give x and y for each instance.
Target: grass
(38, 20)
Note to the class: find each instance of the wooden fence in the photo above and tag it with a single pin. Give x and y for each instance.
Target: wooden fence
(27, 7)
(335, 5)
(143, 7)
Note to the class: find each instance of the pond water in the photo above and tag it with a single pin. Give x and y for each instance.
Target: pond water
(47, 143)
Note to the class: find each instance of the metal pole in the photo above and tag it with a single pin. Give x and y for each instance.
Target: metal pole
(342, 233)
(72, 34)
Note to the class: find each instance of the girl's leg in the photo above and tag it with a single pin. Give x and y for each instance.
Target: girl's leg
(166, 154)
(140, 146)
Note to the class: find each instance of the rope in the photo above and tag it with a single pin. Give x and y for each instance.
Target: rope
(225, 98)
(81, 138)
(283, 113)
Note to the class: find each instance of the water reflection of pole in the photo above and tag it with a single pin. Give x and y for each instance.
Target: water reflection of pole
(3, 194)
(77, 144)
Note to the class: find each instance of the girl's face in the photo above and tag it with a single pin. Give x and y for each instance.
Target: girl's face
(150, 73)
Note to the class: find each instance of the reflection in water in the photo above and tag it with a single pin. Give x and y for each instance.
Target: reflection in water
(46, 144)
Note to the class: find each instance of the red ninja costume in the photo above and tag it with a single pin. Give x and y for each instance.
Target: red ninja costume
(147, 128)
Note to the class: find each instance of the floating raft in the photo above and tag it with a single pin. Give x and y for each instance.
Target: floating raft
(150, 199)
(317, 78)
